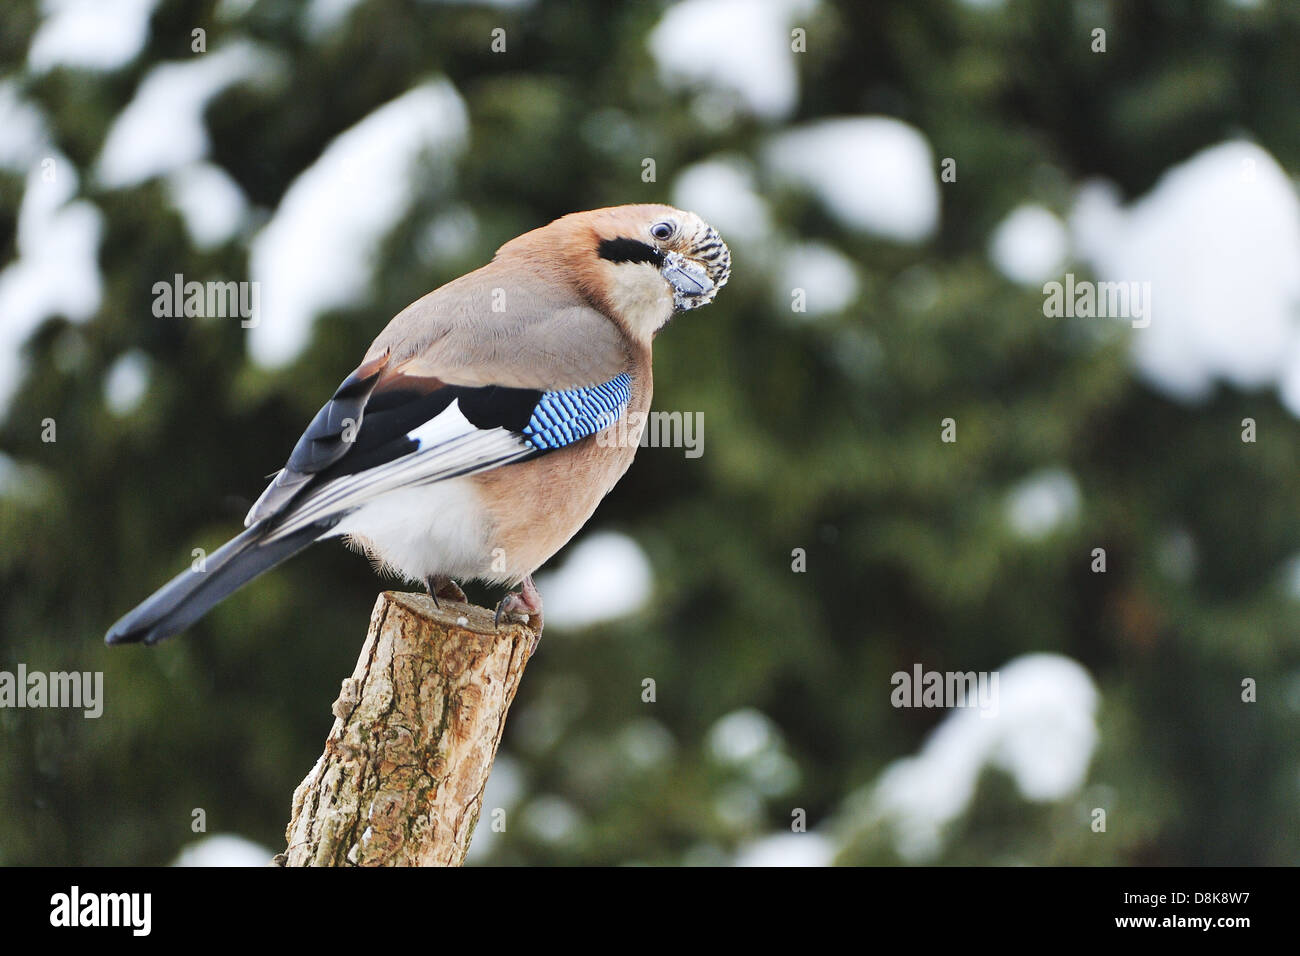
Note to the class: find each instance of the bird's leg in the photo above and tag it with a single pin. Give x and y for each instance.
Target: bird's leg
(441, 586)
(527, 601)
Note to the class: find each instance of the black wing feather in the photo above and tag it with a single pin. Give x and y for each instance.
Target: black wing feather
(326, 439)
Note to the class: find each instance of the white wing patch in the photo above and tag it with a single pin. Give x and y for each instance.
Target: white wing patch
(449, 424)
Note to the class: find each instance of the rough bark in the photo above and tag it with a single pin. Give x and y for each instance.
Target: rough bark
(415, 732)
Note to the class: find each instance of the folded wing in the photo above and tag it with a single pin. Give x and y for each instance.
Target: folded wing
(376, 435)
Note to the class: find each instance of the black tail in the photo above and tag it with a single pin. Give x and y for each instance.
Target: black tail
(191, 594)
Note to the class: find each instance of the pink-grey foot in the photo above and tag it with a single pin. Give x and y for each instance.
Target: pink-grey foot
(441, 586)
(526, 602)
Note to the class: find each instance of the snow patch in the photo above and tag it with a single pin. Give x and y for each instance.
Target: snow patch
(316, 252)
(872, 173)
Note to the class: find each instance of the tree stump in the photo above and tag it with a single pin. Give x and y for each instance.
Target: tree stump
(416, 729)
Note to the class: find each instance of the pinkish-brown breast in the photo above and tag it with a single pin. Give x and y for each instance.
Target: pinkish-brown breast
(538, 505)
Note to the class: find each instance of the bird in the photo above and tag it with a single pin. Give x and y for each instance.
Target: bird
(474, 439)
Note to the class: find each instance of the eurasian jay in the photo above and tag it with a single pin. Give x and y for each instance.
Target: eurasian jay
(466, 445)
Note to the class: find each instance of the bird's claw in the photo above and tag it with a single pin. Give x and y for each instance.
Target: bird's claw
(441, 586)
(526, 603)
(511, 606)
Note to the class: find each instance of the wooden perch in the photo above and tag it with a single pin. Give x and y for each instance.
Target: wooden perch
(417, 727)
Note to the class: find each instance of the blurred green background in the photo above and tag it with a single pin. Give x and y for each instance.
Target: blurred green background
(823, 427)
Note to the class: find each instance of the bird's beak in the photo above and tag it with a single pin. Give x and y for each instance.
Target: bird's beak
(688, 278)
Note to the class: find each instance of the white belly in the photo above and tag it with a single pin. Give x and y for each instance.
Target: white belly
(431, 529)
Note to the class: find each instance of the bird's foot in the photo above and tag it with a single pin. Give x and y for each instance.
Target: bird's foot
(524, 603)
(441, 586)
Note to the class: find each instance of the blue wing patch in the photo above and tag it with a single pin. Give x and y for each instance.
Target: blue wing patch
(561, 418)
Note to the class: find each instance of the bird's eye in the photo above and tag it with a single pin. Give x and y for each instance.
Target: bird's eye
(663, 230)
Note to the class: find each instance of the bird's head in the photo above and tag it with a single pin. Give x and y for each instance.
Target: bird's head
(640, 264)
(684, 251)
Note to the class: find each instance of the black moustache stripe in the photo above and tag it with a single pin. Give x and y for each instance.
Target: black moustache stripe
(629, 250)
